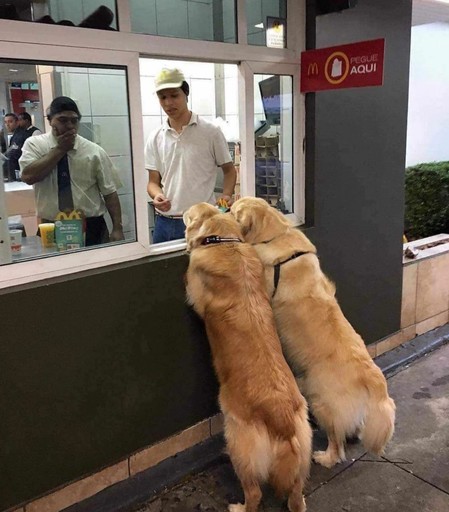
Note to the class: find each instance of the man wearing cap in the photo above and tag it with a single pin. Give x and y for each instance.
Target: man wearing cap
(182, 157)
(69, 172)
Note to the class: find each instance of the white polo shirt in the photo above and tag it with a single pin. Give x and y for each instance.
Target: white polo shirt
(187, 162)
(92, 176)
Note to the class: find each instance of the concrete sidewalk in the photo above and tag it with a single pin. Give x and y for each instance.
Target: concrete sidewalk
(412, 476)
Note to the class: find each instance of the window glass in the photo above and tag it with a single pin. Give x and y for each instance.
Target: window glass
(273, 112)
(100, 208)
(213, 97)
(208, 20)
(100, 14)
(267, 23)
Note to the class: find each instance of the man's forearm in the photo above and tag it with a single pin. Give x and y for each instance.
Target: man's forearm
(229, 179)
(41, 168)
(153, 189)
(115, 211)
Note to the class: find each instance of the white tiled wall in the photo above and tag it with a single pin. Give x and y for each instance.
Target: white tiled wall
(202, 96)
(101, 96)
(201, 79)
(108, 91)
(75, 84)
(113, 134)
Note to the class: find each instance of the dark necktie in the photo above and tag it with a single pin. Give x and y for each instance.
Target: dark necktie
(65, 199)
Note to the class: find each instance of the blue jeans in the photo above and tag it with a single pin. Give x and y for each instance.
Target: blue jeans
(166, 229)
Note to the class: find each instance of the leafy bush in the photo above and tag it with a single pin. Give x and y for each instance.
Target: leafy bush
(426, 200)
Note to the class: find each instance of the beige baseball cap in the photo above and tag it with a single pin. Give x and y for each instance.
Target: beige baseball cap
(168, 79)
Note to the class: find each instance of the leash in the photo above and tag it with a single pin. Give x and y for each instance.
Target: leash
(277, 268)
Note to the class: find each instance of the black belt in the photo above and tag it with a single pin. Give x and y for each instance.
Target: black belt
(177, 217)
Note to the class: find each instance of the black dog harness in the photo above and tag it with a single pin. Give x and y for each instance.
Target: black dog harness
(277, 269)
(215, 239)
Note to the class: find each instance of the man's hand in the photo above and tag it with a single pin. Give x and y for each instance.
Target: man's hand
(66, 141)
(116, 235)
(161, 202)
(224, 198)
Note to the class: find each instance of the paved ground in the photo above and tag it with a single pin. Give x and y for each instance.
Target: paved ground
(412, 476)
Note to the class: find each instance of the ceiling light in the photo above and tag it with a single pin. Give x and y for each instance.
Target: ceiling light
(260, 25)
(13, 70)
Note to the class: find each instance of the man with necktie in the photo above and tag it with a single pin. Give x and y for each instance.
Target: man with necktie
(68, 172)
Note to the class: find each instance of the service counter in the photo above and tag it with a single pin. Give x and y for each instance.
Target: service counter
(32, 248)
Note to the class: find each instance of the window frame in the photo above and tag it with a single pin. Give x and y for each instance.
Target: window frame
(67, 263)
(246, 107)
(81, 46)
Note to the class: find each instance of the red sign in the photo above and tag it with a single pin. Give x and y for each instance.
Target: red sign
(340, 67)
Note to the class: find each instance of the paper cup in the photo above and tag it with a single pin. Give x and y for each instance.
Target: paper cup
(47, 232)
(15, 236)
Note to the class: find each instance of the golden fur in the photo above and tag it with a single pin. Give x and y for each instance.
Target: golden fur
(346, 391)
(265, 416)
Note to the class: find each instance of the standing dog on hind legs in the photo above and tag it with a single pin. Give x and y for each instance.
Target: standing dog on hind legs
(265, 416)
(346, 391)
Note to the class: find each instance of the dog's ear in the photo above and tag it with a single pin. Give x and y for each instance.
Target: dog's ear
(186, 218)
(198, 231)
(247, 224)
(245, 218)
(272, 223)
(190, 245)
(192, 233)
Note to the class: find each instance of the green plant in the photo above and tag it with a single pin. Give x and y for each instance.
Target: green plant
(426, 200)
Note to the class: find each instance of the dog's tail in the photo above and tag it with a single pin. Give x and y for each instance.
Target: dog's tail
(379, 419)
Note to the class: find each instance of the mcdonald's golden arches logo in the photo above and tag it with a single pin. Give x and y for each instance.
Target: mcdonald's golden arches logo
(312, 69)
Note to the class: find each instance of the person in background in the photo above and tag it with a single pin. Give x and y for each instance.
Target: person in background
(12, 142)
(182, 158)
(3, 158)
(26, 123)
(69, 172)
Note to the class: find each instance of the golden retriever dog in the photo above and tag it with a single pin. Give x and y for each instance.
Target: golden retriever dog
(346, 391)
(265, 416)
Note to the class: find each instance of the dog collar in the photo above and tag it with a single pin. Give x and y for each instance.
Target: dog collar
(215, 239)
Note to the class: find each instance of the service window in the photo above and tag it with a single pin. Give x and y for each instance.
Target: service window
(213, 97)
(273, 121)
(99, 172)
